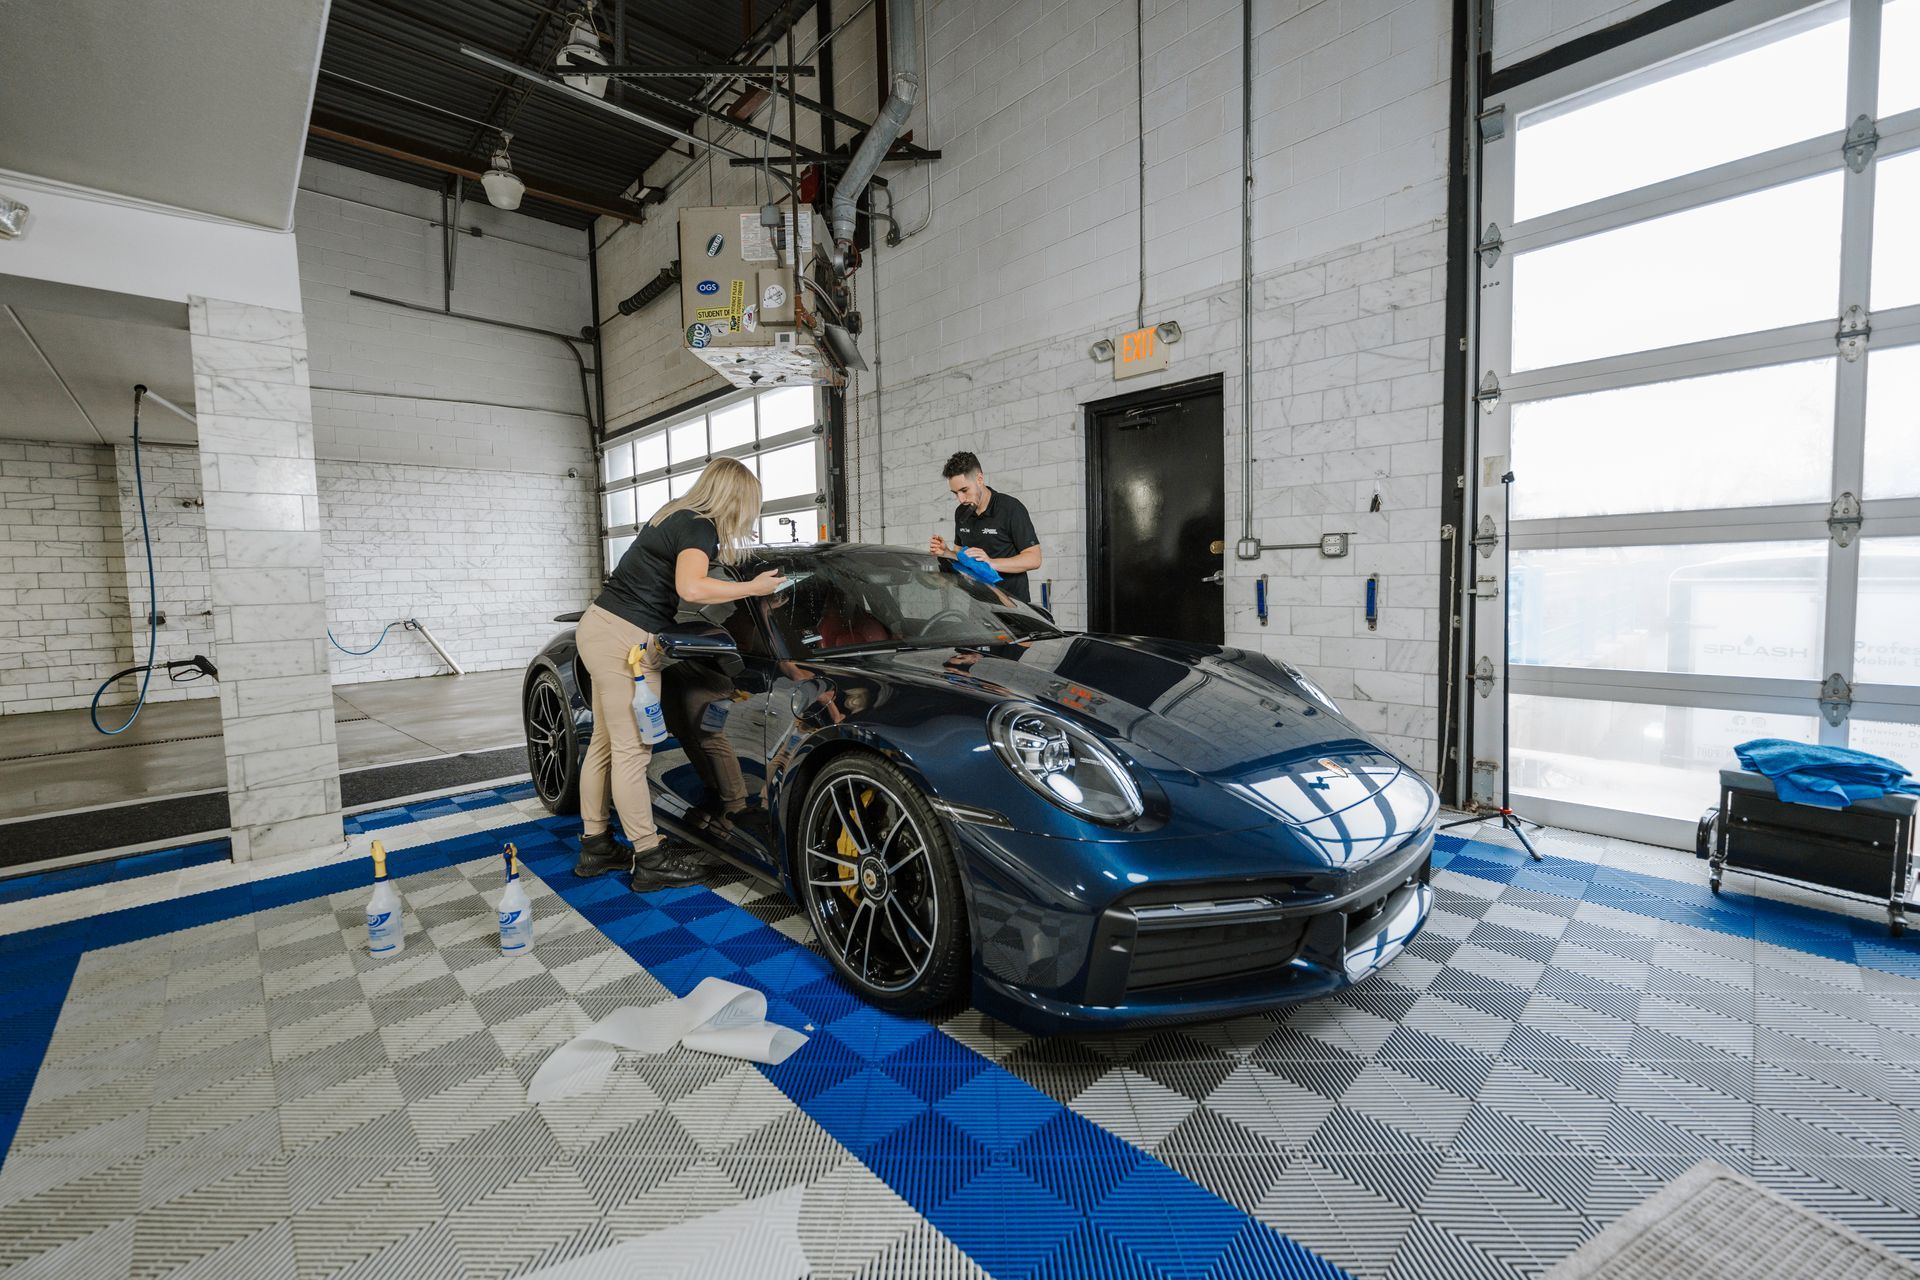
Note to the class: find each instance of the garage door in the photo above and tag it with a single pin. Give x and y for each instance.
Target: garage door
(1699, 360)
(773, 432)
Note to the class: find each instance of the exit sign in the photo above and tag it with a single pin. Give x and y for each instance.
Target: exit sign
(1138, 352)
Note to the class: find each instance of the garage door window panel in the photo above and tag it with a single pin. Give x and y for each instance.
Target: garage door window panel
(1887, 629)
(732, 427)
(1641, 757)
(1899, 57)
(1893, 423)
(1746, 609)
(1740, 97)
(1755, 262)
(1746, 438)
(1896, 227)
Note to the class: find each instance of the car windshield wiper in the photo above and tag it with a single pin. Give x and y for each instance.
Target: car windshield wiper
(871, 646)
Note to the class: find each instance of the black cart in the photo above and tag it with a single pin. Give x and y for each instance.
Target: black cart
(1862, 851)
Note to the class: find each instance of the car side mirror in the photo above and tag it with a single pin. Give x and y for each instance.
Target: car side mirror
(696, 640)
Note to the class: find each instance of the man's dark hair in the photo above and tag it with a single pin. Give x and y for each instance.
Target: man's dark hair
(960, 464)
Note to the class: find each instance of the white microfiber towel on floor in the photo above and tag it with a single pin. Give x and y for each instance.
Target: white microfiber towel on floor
(719, 1017)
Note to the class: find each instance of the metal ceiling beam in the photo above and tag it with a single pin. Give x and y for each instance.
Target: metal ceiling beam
(730, 69)
(413, 153)
(553, 85)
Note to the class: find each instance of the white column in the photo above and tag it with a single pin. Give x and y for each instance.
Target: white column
(266, 558)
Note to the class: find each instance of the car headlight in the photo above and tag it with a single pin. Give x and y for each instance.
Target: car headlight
(1064, 763)
(1308, 687)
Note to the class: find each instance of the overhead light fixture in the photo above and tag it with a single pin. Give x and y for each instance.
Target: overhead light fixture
(582, 49)
(503, 187)
(13, 218)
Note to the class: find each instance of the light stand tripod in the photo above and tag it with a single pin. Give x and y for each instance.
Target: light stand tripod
(1508, 818)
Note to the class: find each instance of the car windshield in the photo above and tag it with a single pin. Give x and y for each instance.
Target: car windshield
(845, 599)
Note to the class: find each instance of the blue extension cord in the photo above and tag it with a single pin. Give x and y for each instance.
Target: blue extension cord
(153, 599)
(361, 653)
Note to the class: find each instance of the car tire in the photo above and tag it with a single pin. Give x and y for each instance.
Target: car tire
(553, 746)
(903, 888)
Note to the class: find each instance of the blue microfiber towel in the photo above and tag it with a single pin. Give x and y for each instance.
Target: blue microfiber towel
(979, 569)
(1824, 777)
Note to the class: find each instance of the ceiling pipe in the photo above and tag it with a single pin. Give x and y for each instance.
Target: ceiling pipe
(904, 55)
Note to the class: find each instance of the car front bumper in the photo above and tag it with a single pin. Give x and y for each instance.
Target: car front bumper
(1179, 952)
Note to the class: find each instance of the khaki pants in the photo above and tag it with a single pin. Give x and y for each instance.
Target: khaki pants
(616, 755)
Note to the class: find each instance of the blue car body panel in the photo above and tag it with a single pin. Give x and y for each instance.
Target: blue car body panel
(1268, 818)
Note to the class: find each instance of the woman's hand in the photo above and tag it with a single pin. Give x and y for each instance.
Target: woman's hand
(765, 584)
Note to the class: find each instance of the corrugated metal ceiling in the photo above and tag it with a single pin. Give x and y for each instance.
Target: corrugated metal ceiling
(380, 53)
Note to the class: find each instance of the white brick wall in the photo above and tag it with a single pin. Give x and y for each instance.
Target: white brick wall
(178, 523)
(393, 385)
(483, 558)
(63, 595)
(444, 445)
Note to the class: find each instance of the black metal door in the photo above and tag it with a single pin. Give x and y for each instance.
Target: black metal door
(1156, 486)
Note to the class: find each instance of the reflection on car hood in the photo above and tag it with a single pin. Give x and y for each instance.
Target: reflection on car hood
(1228, 717)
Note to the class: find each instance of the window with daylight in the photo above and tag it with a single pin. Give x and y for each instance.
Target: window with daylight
(772, 432)
(1703, 321)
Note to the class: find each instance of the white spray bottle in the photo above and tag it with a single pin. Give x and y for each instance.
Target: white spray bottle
(516, 909)
(386, 923)
(646, 703)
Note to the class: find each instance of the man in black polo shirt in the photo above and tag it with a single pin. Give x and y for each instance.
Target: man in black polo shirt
(989, 525)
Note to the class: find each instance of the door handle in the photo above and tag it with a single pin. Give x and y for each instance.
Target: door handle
(1217, 577)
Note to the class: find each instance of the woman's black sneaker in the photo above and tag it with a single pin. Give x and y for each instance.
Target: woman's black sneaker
(600, 854)
(668, 864)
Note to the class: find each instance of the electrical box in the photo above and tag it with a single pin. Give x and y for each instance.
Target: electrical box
(737, 304)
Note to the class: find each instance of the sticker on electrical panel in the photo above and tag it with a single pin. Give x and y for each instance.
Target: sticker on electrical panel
(747, 322)
(698, 335)
(712, 313)
(737, 300)
(773, 298)
(715, 244)
(708, 287)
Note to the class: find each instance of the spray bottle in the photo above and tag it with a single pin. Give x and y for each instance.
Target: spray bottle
(516, 909)
(646, 703)
(386, 924)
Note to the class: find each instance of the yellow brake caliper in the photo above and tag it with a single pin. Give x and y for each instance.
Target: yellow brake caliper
(849, 851)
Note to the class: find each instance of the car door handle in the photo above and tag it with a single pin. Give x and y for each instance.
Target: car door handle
(1217, 577)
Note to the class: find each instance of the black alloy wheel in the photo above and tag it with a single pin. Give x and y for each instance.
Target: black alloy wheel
(553, 749)
(879, 883)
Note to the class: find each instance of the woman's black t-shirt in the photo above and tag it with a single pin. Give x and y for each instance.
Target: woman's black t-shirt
(641, 587)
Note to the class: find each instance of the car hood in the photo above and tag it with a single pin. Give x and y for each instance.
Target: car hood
(1233, 722)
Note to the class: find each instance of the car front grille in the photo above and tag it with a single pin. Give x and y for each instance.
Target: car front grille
(1212, 941)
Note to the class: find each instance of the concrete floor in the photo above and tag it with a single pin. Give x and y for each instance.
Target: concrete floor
(54, 761)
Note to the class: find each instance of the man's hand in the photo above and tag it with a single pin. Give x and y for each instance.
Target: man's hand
(978, 554)
(938, 546)
(765, 584)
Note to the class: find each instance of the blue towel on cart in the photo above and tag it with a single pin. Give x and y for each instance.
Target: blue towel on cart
(979, 569)
(1824, 777)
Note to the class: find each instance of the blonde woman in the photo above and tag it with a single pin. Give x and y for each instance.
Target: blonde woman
(666, 565)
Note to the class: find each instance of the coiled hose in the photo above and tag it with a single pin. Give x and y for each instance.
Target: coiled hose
(153, 599)
(361, 653)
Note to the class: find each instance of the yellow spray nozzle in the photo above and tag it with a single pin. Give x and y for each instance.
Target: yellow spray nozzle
(636, 659)
(379, 860)
(512, 855)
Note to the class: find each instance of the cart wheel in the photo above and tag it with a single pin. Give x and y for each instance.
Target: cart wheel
(1715, 886)
(1897, 928)
(1703, 834)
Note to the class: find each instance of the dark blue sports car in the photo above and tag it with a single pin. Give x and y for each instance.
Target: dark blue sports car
(1076, 831)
